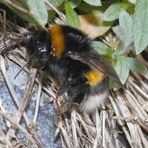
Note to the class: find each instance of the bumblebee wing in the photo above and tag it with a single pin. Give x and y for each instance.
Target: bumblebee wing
(96, 62)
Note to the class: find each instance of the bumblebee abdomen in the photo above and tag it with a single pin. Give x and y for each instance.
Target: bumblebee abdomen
(95, 96)
(90, 89)
(94, 77)
(92, 102)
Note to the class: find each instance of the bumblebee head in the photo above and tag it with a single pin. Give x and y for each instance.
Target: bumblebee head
(39, 48)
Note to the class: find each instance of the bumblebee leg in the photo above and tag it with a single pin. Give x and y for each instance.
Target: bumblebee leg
(63, 88)
(60, 92)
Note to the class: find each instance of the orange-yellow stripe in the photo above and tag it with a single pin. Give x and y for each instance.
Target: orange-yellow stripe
(57, 40)
(94, 77)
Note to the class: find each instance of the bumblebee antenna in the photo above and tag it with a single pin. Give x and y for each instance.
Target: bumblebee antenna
(23, 66)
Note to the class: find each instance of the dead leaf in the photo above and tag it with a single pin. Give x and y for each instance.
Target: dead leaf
(93, 25)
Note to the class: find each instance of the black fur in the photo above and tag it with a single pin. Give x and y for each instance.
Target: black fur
(66, 71)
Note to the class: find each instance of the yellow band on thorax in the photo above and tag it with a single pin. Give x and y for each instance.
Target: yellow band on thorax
(94, 77)
(57, 40)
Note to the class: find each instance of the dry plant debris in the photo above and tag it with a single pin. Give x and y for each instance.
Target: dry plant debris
(123, 122)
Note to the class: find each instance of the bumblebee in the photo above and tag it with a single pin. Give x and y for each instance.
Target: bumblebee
(67, 56)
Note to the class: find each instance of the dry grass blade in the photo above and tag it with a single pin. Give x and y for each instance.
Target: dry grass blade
(13, 122)
(122, 124)
(74, 130)
(37, 104)
(3, 69)
(65, 135)
(12, 92)
(61, 15)
(125, 117)
(28, 93)
(97, 130)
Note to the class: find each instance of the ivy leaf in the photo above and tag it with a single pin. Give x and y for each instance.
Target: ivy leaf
(71, 16)
(141, 25)
(93, 2)
(38, 10)
(112, 12)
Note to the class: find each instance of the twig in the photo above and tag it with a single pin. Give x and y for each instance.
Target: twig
(4, 19)
(84, 126)
(65, 135)
(74, 132)
(61, 15)
(138, 89)
(12, 4)
(27, 97)
(37, 104)
(11, 89)
(119, 121)
(97, 129)
(13, 122)
(13, 94)
(103, 128)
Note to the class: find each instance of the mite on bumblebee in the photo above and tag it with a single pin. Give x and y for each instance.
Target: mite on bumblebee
(67, 56)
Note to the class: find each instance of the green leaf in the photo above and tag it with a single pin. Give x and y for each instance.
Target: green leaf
(38, 10)
(74, 3)
(132, 1)
(93, 2)
(56, 3)
(71, 16)
(86, 8)
(114, 85)
(118, 30)
(51, 15)
(122, 69)
(22, 3)
(136, 66)
(125, 64)
(141, 25)
(125, 30)
(126, 22)
(112, 12)
(102, 48)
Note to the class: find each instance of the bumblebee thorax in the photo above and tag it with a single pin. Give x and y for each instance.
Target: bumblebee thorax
(57, 40)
